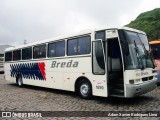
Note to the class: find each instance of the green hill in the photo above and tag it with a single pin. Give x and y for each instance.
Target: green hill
(148, 22)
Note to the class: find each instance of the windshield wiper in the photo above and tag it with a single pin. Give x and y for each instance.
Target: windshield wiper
(138, 55)
(146, 54)
(136, 49)
(145, 51)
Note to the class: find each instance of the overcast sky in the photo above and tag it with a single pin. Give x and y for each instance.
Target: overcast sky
(35, 20)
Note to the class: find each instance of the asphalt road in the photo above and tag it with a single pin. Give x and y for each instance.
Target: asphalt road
(31, 98)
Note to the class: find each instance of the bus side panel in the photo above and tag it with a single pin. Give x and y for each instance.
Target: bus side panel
(57, 73)
(7, 73)
(69, 69)
(74, 68)
(98, 82)
(83, 69)
(99, 85)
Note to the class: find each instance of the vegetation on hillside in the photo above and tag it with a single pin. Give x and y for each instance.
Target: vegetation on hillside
(148, 22)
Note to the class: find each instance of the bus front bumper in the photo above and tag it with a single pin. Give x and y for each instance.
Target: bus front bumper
(136, 90)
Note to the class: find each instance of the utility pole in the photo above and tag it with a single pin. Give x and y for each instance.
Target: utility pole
(25, 41)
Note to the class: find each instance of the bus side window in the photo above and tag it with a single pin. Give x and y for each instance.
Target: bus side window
(84, 44)
(27, 53)
(39, 51)
(72, 47)
(8, 56)
(16, 55)
(98, 58)
(56, 49)
(79, 46)
(60, 48)
(51, 50)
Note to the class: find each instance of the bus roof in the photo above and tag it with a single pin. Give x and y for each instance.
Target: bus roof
(70, 36)
(155, 42)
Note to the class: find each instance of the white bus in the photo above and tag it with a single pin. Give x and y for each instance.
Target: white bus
(105, 62)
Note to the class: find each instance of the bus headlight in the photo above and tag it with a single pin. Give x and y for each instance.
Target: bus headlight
(134, 81)
(137, 80)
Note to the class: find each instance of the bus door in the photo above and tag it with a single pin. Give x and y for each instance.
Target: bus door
(100, 87)
(114, 67)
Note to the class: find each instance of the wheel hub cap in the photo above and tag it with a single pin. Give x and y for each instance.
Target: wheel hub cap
(84, 89)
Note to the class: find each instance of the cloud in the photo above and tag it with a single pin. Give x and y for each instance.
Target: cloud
(35, 20)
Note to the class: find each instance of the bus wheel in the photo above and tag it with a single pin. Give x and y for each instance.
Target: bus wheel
(85, 89)
(19, 81)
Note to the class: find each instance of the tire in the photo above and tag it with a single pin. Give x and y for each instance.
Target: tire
(85, 89)
(19, 81)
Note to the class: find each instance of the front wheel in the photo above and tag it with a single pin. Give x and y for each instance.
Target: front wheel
(85, 89)
(19, 81)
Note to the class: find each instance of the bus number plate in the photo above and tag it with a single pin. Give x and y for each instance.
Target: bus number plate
(99, 87)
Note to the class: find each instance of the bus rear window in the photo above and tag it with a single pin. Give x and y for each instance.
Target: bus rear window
(8, 56)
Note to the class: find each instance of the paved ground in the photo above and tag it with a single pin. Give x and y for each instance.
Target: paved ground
(30, 98)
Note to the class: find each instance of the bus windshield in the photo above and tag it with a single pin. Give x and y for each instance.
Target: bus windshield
(138, 57)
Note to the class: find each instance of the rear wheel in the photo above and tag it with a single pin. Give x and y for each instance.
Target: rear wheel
(19, 81)
(85, 89)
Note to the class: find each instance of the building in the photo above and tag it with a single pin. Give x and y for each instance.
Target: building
(2, 49)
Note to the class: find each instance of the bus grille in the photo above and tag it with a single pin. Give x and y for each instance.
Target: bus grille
(147, 78)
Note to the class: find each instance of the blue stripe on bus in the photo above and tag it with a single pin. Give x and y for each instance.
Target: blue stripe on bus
(29, 70)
